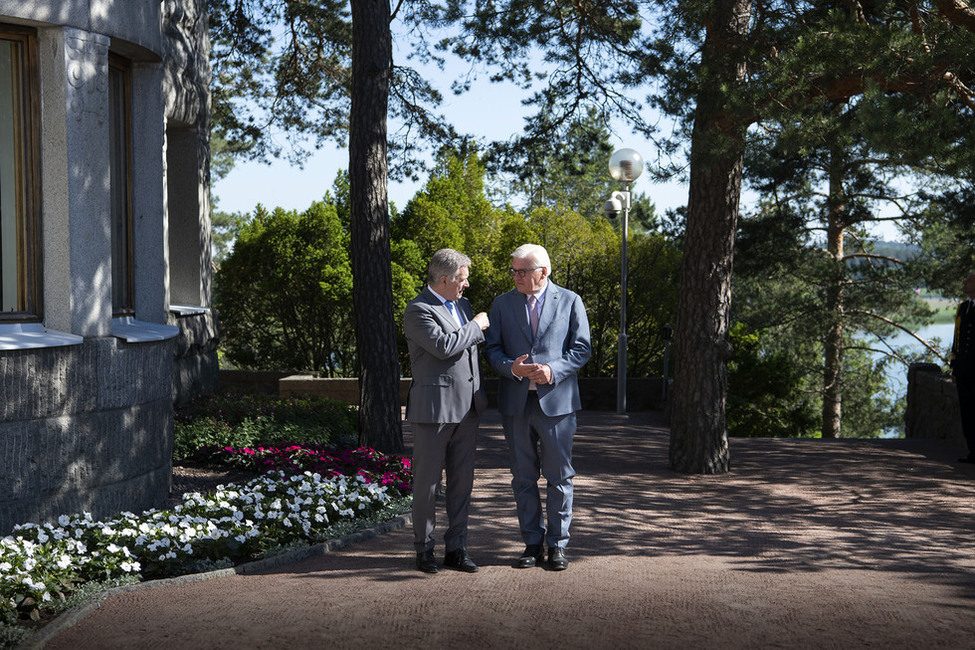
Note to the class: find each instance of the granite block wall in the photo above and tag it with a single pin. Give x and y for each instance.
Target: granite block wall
(932, 405)
(85, 428)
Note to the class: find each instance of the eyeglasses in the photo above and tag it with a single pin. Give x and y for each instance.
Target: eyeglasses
(521, 273)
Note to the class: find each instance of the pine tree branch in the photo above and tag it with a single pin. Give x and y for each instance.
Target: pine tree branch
(888, 352)
(958, 12)
(873, 256)
(883, 319)
(395, 11)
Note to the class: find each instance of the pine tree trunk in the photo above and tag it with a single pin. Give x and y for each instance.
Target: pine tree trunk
(833, 335)
(372, 284)
(699, 435)
(833, 368)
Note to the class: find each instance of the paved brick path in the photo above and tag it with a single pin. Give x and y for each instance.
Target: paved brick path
(805, 544)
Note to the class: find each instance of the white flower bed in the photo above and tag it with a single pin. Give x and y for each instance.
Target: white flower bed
(41, 562)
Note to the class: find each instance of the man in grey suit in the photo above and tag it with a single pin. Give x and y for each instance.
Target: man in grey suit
(444, 405)
(538, 341)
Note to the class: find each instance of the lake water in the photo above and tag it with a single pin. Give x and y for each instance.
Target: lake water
(897, 376)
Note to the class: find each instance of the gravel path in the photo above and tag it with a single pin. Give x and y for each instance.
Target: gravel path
(805, 544)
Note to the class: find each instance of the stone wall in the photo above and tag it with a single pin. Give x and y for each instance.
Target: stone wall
(597, 393)
(195, 363)
(85, 428)
(89, 426)
(932, 405)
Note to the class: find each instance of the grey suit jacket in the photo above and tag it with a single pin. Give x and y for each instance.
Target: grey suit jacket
(562, 342)
(444, 363)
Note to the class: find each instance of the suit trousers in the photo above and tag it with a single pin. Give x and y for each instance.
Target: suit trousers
(439, 447)
(541, 444)
(966, 402)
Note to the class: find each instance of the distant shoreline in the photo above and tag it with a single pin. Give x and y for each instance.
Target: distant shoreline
(945, 308)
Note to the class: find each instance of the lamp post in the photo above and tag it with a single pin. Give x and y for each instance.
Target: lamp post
(625, 166)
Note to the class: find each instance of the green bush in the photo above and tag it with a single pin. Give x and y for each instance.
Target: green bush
(250, 420)
(764, 391)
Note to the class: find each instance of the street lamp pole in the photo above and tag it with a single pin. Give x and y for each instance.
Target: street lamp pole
(621, 353)
(625, 166)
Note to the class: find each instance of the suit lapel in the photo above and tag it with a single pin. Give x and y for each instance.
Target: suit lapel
(465, 310)
(549, 308)
(440, 311)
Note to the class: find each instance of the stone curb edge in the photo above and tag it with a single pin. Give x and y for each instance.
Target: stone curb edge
(78, 613)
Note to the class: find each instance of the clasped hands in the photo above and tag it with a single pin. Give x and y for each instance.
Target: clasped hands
(536, 372)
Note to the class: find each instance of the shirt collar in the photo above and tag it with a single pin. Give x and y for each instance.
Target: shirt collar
(439, 297)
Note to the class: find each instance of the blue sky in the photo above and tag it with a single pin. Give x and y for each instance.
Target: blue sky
(492, 111)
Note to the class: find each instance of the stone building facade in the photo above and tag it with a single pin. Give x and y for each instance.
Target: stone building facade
(105, 270)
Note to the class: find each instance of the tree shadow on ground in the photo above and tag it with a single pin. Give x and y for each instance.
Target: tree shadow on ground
(787, 505)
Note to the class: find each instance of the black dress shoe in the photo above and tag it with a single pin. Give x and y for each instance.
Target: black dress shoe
(459, 560)
(557, 560)
(534, 555)
(967, 459)
(425, 562)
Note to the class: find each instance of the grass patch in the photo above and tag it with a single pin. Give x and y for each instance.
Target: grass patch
(946, 314)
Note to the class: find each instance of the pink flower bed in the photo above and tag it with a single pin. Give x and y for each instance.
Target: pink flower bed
(394, 472)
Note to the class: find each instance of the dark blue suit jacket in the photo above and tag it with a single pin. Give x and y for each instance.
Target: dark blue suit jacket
(562, 343)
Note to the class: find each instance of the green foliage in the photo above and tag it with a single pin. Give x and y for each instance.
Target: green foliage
(654, 288)
(825, 170)
(945, 232)
(452, 211)
(301, 84)
(775, 389)
(765, 397)
(251, 420)
(221, 233)
(11, 636)
(283, 68)
(870, 409)
(780, 296)
(221, 223)
(574, 174)
(284, 292)
(582, 58)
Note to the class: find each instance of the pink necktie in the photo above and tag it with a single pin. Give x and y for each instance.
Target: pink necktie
(533, 313)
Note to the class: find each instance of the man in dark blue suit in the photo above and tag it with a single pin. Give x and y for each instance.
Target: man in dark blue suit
(963, 364)
(537, 342)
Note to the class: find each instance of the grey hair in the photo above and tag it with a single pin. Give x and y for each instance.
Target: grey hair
(446, 262)
(534, 254)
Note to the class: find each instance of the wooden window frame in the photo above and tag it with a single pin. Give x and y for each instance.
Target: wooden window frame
(124, 304)
(27, 178)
